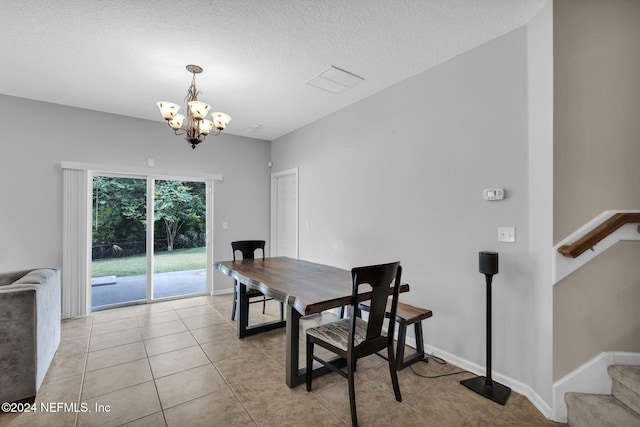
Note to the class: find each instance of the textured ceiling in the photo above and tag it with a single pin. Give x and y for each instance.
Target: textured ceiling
(121, 56)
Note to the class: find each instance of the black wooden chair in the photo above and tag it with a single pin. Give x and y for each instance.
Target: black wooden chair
(248, 249)
(353, 338)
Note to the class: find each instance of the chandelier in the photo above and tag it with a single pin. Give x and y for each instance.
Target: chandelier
(197, 127)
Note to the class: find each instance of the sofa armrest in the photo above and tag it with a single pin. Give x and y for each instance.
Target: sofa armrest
(48, 314)
(17, 343)
(30, 311)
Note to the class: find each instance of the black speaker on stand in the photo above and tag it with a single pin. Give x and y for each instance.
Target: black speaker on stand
(485, 386)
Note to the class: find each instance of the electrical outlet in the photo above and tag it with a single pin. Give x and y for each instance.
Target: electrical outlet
(507, 234)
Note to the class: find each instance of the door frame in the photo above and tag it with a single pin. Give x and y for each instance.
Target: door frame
(151, 182)
(92, 170)
(149, 236)
(274, 209)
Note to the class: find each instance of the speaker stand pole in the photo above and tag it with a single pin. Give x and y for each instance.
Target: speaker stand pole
(485, 386)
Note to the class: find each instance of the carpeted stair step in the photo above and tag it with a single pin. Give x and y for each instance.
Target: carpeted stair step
(598, 410)
(626, 385)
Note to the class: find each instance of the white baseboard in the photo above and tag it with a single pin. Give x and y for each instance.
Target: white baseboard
(222, 292)
(592, 377)
(515, 385)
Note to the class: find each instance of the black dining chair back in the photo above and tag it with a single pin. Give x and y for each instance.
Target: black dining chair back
(248, 249)
(353, 338)
(379, 278)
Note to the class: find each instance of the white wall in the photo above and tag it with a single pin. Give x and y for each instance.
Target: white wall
(540, 94)
(42, 135)
(399, 176)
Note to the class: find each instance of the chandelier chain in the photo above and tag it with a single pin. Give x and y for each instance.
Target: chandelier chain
(192, 93)
(193, 124)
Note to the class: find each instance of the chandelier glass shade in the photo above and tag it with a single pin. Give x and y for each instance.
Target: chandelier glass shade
(196, 125)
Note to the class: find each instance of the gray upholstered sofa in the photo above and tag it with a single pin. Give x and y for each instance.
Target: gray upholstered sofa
(29, 330)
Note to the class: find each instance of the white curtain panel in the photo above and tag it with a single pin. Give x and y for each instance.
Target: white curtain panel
(75, 263)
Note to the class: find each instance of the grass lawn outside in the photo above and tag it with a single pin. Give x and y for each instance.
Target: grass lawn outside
(164, 262)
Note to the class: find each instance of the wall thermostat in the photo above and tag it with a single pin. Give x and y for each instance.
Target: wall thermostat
(494, 193)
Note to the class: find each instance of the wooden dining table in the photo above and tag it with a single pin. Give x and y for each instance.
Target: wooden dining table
(305, 288)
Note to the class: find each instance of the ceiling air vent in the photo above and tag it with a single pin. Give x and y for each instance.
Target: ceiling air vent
(335, 80)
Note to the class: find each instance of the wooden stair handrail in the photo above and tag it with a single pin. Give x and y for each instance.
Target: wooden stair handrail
(590, 239)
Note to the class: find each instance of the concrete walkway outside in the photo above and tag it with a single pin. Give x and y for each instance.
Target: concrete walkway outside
(132, 288)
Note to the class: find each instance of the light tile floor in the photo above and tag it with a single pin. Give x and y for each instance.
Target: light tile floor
(179, 363)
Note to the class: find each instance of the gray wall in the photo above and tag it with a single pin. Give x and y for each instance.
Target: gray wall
(596, 154)
(540, 94)
(399, 176)
(42, 135)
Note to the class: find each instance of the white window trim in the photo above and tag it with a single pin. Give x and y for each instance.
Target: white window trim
(98, 169)
(76, 226)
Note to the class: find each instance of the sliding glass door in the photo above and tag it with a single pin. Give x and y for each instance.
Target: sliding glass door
(118, 241)
(134, 263)
(179, 244)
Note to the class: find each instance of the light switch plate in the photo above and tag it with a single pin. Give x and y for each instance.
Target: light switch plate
(507, 234)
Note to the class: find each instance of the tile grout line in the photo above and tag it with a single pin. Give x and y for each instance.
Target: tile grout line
(264, 348)
(153, 378)
(139, 328)
(123, 388)
(199, 345)
(412, 407)
(258, 348)
(84, 370)
(224, 377)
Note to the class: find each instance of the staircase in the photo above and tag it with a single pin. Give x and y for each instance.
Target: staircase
(621, 408)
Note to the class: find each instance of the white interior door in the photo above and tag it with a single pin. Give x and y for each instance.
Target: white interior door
(284, 213)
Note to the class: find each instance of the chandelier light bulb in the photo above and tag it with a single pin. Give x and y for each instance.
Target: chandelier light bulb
(168, 109)
(176, 123)
(206, 126)
(198, 109)
(220, 120)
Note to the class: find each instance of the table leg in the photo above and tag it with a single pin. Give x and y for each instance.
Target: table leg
(244, 330)
(296, 375)
(243, 313)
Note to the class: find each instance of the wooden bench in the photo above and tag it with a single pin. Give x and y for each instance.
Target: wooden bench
(406, 315)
